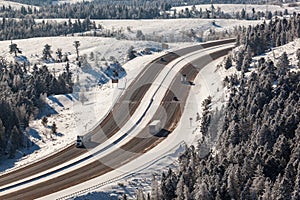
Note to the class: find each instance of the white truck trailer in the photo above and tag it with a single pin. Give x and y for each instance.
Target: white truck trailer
(154, 127)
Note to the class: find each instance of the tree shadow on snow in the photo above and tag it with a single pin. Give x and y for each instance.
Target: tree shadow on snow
(8, 163)
(47, 110)
(55, 100)
(97, 195)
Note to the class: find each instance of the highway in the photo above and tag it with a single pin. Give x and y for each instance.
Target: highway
(137, 145)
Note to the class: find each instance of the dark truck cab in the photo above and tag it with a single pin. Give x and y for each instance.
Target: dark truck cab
(79, 141)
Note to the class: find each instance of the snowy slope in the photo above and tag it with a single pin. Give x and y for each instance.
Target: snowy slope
(71, 116)
(172, 28)
(167, 30)
(14, 4)
(72, 1)
(233, 8)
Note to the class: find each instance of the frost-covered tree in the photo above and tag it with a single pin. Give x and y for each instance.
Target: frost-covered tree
(54, 128)
(13, 49)
(76, 44)
(59, 54)
(47, 52)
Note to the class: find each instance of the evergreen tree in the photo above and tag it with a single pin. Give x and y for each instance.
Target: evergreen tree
(59, 54)
(2, 137)
(45, 121)
(47, 52)
(54, 128)
(13, 49)
(228, 62)
(76, 44)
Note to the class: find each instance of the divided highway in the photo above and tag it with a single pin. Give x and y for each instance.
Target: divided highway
(116, 118)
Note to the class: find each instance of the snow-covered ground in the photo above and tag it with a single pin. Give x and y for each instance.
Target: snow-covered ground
(69, 114)
(72, 1)
(166, 30)
(276, 52)
(14, 4)
(172, 29)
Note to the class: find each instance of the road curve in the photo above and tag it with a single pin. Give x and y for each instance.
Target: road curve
(116, 118)
(136, 146)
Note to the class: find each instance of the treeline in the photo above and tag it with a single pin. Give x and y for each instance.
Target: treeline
(139, 2)
(125, 10)
(22, 94)
(28, 28)
(216, 13)
(91, 10)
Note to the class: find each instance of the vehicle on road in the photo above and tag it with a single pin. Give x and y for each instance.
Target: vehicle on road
(79, 141)
(154, 127)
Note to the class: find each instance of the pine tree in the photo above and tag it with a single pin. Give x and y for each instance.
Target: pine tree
(59, 54)
(54, 128)
(76, 44)
(47, 52)
(45, 121)
(154, 189)
(298, 57)
(140, 195)
(228, 62)
(13, 49)
(2, 137)
(15, 141)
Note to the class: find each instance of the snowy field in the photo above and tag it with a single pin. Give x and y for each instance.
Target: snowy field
(167, 30)
(14, 4)
(173, 28)
(233, 8)
(72, 1)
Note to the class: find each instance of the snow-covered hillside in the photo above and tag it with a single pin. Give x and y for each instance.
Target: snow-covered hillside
(72, 1)
(14, 4)
(233, 8)
(166, 30)
(173, 28)
(69, 113)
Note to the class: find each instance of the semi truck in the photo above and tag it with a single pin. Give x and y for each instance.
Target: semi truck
(154, 127)
(79, 141)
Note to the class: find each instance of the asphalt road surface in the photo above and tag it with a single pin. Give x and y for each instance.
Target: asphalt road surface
(172, 107)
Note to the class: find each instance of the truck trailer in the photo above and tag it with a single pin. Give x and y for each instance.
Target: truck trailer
(154, 127)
